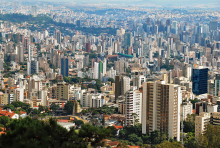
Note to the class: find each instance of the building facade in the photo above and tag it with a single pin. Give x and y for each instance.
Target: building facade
(161, 108)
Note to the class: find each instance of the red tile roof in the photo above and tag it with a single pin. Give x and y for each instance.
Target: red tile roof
(63, 120)
(6, 113)
(113, 143)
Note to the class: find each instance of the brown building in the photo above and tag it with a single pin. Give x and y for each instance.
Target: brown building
(161, 108)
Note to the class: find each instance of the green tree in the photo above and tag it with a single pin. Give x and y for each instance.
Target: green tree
(67, 79)
(83, 87)
(93, 134)
(35, 133)
(189, 123)
(155, 137)
(135, 139)
(146, 138)
(194, 102)
(54, 107)
(78, 123)
(91, 86)
(167, 144)
(136, 120)
(17, 104)
(145, 146)
(68, 107)
(210, 138)
(122, 145)
(9, 106)
(36, 112)
(4, 120)
(123, 133)
(111, 80)
(156, 55)
(41, 108)
(189, 141)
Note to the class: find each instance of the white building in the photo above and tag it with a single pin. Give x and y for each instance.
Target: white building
(20, 94)
(85, 100)
(80, 64)
(133, 109)
(30, 52)
(97, 100)
(186, 109)
(212, 108)
(28, 67)
(111, 73)
(138, 80)
(104, 67)
(96, 71)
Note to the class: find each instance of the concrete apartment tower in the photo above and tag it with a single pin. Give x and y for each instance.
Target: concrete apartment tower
(161, 108)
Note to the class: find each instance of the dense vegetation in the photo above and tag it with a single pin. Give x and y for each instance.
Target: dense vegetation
(42, 111)
(101, 110)
(28, 131)
(44, 21)
(34, 133)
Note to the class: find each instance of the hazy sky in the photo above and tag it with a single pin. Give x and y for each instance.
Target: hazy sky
(159, 2)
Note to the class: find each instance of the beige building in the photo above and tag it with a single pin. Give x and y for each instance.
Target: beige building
(161, 108)
(200, 122)
(62, 91)
(4, 99)
(121, 106)
(205, 118)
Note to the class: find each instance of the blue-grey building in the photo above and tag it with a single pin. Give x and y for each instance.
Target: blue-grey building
(64, 67)
(200, 80)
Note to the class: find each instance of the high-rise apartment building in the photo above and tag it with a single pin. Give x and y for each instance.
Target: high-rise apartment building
(78, 23)
(148, 21)
(128, 39)
(138, 80)
(133, 107)
(58, 37)
(34, 67)
(85, 99)
(161, 108)
(119, 66)
(57, 58)
(64, 66)
(28, 67)
(21, 53)
(216, 88)
(187, 71)
(100, 69)
(200, 80)
(122, 85)
(62, 91)
(213, 25)
(88, 47)
(34, 11)
(30, 52)
(99, 49)
(96, 70)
